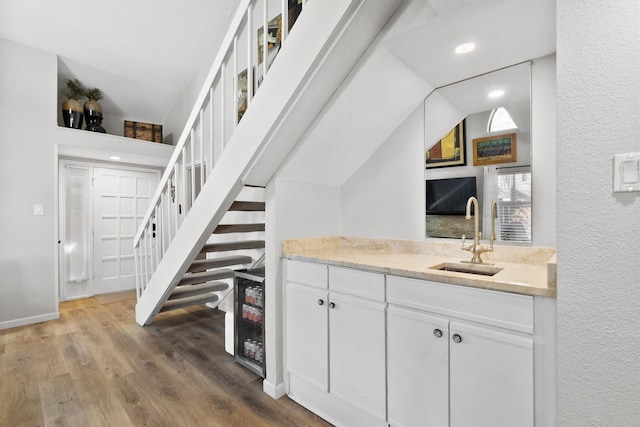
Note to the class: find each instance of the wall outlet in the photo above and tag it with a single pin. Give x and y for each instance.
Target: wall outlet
(38, 209)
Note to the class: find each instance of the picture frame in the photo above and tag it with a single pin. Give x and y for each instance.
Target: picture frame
(450, 150)
(274, 42)
(496, 149)
(241, 95)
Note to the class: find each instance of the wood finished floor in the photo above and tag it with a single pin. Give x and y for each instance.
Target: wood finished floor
(96, 367)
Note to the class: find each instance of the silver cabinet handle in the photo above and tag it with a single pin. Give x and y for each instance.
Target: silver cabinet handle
(320, 302)
(437, 333)
(456, 338)
(332, 305)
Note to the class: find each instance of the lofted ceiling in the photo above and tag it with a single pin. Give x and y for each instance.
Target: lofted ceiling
(142, 54)
(412, 57)
(505, 32)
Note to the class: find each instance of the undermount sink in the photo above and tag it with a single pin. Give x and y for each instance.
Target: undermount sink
(459, 267)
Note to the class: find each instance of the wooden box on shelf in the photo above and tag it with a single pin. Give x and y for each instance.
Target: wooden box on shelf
(144, 131)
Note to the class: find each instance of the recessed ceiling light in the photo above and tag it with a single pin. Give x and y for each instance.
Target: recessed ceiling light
(464, 48)
(115, 157)
(496, 93)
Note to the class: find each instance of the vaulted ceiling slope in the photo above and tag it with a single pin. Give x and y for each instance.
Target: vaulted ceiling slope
(413, 56)
(142, 49)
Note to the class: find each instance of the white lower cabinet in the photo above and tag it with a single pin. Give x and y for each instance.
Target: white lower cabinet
(335, 343)
(443, 372)
(363, 348)
(445, 367)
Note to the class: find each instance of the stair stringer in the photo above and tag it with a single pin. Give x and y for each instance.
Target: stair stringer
(261, 134)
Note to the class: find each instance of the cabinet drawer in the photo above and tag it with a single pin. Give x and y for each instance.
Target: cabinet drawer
(501, 309)
(357, 282)
(306, 273)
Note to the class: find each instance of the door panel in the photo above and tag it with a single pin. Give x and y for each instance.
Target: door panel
(491, 380)
(418, 368)
(306, 330)
(121, 198)
(357, 352)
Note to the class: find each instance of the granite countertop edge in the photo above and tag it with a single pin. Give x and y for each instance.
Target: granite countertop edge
(531, 271)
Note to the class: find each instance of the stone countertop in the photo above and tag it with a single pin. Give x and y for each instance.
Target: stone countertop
(525, 270)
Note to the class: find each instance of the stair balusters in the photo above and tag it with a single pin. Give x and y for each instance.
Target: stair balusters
(209, 127)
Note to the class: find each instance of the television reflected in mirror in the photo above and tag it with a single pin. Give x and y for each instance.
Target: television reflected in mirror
(449, 196)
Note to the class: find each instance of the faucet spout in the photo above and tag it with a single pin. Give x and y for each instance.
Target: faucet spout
(473, 201)
(476, 248)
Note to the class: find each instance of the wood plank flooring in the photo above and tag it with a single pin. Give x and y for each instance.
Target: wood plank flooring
(96, 367)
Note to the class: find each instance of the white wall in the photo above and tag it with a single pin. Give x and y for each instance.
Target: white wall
(294, 210)
(598, 246)
(385, 198)
(27, 171)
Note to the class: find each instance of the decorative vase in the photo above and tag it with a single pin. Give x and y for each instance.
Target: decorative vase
(72, 113)
(93, 114)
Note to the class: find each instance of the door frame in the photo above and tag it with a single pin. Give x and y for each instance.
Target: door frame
(62, 193)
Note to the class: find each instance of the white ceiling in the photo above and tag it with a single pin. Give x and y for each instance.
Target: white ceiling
(141, 53)
(413, 56)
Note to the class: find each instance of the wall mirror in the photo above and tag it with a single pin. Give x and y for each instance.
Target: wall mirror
(478, 131)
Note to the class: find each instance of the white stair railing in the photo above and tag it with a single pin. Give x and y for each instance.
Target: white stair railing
(226, 94)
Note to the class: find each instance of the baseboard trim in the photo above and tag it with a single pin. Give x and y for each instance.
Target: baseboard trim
(29, 320)
(276, 391)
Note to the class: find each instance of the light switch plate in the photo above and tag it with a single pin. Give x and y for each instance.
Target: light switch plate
(626, 172)
(38, 209)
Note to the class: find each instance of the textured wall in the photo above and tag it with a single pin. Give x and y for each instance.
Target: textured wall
(598, 61)
(28, 104)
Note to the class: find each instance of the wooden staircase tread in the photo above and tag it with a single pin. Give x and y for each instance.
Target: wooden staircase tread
(247, 206)
(238, 228)
(207, 276)
(232, 246)
(190, 290)
(204, 264)
(188, 301)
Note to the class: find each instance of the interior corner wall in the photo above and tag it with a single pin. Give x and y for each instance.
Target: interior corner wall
(385, 198)
(598, 101)
(294, 210)
(543, 151)
(28, 105)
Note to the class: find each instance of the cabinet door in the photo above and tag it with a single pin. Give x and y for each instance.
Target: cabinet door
(418, 368)
(306, 334)
(357, 352)
(491, 377)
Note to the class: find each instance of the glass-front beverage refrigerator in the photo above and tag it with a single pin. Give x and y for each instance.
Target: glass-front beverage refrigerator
(249, 319)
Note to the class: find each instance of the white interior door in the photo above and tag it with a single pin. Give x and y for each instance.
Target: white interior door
(120, 200)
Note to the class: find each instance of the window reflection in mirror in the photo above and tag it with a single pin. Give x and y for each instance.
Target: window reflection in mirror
(490, 105)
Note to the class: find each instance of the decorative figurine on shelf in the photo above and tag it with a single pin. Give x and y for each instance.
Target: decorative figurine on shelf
(96, 125)
(93, 110)
(71, 108)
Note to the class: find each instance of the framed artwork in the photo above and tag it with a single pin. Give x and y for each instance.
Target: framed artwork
(494, 149)
(241, 96)
(448, 151)
(273, 41)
